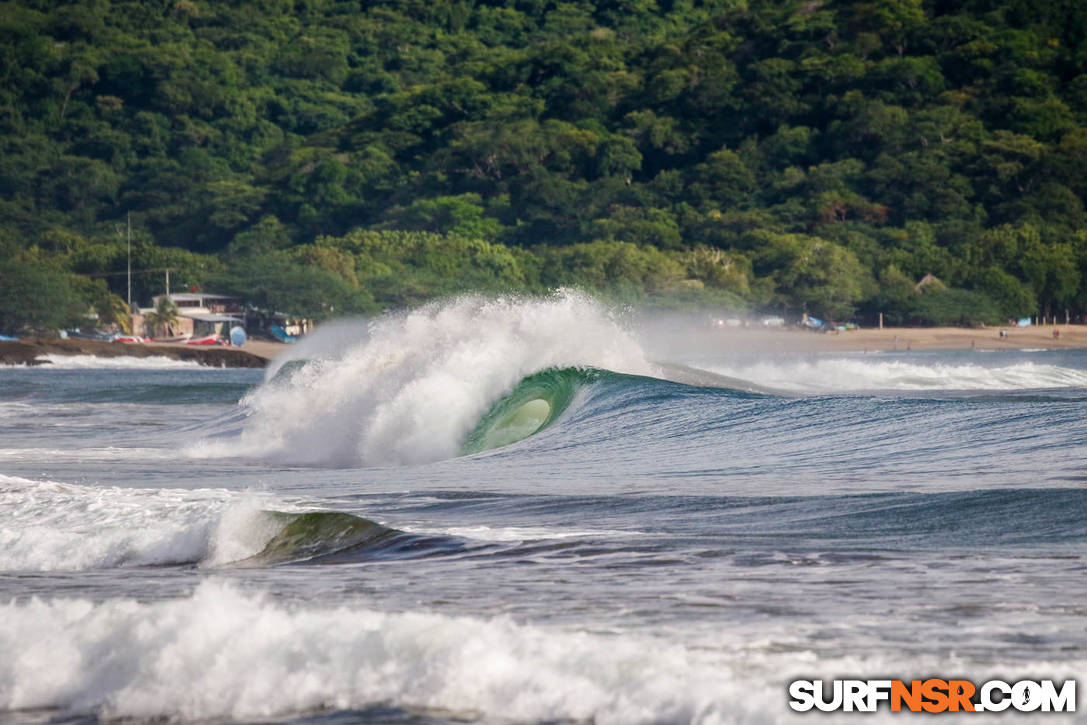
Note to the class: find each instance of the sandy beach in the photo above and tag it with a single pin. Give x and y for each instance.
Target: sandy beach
(263, 348)
(859, 340)
(906, 338)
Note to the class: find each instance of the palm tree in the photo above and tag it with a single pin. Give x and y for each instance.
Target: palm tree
(113, 310)
(163, 317)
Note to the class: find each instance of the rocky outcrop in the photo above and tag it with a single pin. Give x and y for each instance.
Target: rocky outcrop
(27, 352)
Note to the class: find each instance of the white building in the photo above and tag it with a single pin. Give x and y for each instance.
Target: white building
(198, 315)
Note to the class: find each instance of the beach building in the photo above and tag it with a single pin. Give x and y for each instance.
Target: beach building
(198, 315)
(930, 280)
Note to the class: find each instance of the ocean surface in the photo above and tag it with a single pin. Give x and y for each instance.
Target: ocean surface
(506, 511)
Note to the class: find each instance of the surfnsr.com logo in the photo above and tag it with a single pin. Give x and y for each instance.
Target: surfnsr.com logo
(932, 695)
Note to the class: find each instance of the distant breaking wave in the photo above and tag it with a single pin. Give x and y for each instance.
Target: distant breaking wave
(847, 375)
(122, 362)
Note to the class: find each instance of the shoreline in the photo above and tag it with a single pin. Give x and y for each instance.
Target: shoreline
(258, 353)
(27, 351)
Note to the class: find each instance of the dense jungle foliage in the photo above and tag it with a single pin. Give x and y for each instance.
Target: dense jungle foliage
(326, 156)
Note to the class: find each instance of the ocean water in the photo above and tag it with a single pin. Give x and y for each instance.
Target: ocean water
(508, 511)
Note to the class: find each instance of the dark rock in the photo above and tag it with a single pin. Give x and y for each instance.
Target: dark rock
(26, 352)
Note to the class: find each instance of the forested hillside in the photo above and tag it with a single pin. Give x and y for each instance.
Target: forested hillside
(324, 156)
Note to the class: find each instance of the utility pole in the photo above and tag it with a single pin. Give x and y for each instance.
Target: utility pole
(167, 281)
(130, 261)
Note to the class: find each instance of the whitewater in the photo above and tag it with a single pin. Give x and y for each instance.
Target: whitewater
(533, 510)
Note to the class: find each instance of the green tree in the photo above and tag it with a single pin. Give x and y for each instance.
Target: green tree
(37, 298)
(905, 133)
(958, 307)
(810, 274)
(462, 215)
(112, 310)
(163, 318)
(276, 283)
(1013, 298)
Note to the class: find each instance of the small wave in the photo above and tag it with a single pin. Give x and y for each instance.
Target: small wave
(121, 362)
(108, 453)
(139, 388)
(517, 534)
(68, 527)
(51, 526)
(836, 375)
(332, 537)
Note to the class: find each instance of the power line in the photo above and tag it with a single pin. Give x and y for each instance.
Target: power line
(134, 271)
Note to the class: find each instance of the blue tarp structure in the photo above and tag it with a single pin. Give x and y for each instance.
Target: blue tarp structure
(1025, 322)
(280, 334)
(5, 338)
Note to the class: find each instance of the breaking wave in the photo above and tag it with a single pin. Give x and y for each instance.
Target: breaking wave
(224, 653)
(121, 362)
(418, 385)
(534, 404)
(472, 374)
(846, 375)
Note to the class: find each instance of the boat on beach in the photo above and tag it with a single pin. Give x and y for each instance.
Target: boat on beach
(209, 340)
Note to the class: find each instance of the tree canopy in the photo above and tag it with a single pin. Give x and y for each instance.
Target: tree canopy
(331, 155)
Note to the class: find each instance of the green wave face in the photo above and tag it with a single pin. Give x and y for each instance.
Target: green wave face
(319, 533)
(288, 370)
(534, 404)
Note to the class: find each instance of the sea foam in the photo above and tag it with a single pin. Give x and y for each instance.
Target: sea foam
(122, 362)
(50, 526)
(226, 653)
(850, 374)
